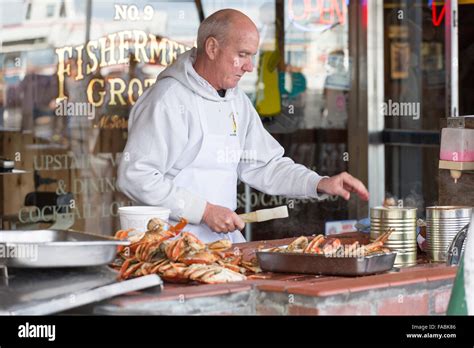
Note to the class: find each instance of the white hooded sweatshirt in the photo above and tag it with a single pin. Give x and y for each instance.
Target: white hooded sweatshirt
(166, 132)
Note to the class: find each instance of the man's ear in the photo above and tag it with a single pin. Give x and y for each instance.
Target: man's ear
(211, 47)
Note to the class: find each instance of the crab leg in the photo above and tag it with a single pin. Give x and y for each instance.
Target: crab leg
(331, 246)
(384, 236)
(179, 226)
(313, 246)
(122, 234)
(349, 249)
(298, 243)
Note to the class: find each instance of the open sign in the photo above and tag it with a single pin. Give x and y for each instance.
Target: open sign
(325, 12)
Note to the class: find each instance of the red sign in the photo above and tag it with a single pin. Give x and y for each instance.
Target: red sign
(324, 11)
(435, 18)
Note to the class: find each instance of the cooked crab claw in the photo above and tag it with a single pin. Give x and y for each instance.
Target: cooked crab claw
(313, 246)
(299, 244)
(179, 226)
(220, 245)
(156, 223)
(122, 234)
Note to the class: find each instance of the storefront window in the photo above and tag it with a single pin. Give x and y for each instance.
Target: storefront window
(466, 57)
(415, 99)
(312, 96)
(67, 88)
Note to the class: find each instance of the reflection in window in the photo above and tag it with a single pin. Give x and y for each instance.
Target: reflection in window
(299, 86)
(50, 10)
(62, 10)
(28, 11)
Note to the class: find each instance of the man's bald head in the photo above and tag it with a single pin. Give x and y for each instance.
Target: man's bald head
(226, 46)
(223, 25)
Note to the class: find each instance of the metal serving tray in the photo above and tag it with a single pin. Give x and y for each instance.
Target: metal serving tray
(55, 248)
(320, 264)
(47, 291)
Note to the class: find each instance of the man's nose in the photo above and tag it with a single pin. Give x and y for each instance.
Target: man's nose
(248, 66)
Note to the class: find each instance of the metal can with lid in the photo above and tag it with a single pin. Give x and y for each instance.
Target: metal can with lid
(403, 239)
(442, 225)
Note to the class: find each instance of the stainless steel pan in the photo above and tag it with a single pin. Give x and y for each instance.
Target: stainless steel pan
(55, 248)
(320, 264)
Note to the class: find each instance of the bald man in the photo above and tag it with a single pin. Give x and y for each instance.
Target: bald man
(194, 133)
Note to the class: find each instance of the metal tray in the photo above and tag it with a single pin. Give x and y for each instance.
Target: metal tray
(55, 248)
(47, 291)
(320, 264)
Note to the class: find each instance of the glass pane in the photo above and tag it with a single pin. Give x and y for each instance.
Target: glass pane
(415, 98)
(302, 98)
(67, 90)
(50, 10)
(466, 56)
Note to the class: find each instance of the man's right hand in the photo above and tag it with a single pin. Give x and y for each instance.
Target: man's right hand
(221, 219)
(342, 185)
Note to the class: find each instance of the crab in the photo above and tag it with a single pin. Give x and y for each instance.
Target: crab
(252, 265)
(219, 245)
(298, 245)
(331, 247)
(376, 247)
(186, 244)
(212, 274)
(202, 257)
(158, 231)
(349, 250)
(313, 246)
(179, 256)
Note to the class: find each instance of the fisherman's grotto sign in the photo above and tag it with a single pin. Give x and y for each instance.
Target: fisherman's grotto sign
(120, 50)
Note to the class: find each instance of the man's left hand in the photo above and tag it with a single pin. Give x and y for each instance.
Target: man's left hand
(342, 185)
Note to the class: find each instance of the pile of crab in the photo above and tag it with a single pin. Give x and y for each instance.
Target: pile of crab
(332, 247)
(178, 256)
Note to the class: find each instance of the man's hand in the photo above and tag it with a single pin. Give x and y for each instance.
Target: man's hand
(342, 185)
(221, 219)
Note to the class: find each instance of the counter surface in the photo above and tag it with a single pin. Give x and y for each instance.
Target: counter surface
(421, 289)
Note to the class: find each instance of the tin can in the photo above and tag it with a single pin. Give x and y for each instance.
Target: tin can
(442, 225)
(403, 238)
